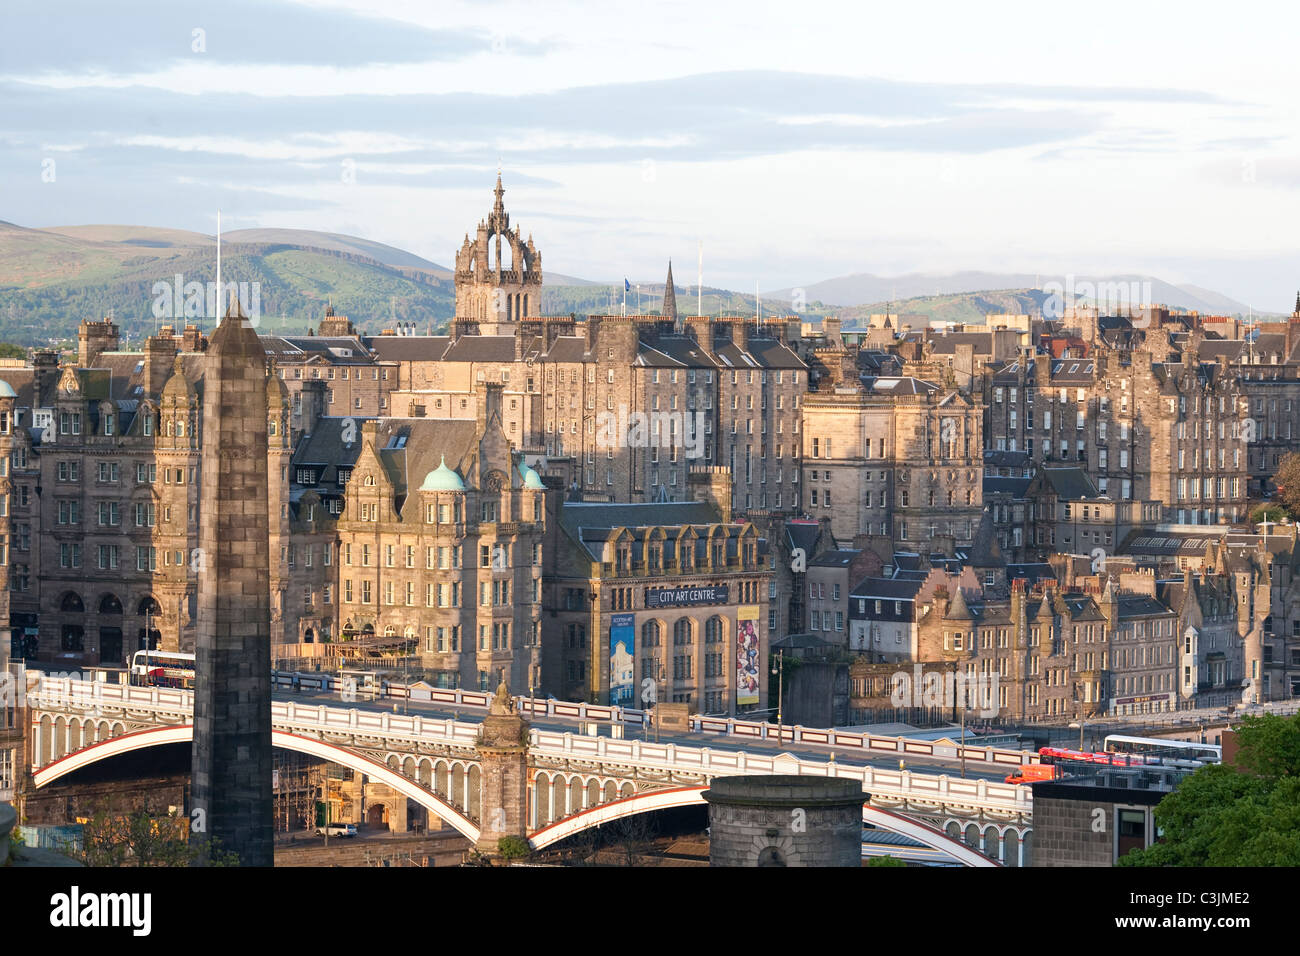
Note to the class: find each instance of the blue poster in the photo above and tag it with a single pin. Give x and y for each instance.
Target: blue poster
(622, 644)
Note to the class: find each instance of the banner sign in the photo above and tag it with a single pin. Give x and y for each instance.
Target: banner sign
(622, 645)
(686, 597)
(748, 663)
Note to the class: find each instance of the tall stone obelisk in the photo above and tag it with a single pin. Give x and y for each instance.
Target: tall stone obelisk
(231, 795)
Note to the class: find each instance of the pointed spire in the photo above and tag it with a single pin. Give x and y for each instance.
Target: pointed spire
(670, 296)
(957, 609)
(1297, 303)
(499, 206)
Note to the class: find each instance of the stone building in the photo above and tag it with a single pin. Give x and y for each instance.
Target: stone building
(437, 547)
(898, 457)
(106, 561)
(659, 601)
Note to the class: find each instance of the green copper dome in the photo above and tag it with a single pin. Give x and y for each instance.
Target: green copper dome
(442, 478)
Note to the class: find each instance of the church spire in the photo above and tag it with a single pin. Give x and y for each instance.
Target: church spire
(499, 207)
(670, 296)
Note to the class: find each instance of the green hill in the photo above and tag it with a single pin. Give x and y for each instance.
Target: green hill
(51, 279)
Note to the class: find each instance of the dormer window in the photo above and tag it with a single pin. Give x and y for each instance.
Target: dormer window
(148, 423)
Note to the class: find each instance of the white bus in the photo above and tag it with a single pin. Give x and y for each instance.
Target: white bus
(162, 669)
(1166, 751)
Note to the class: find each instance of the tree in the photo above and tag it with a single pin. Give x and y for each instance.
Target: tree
(513, 848)
(1271, 513)
(885, 861)
(141, 838)
(9, 350)
(1287, 479)
(1247, 814)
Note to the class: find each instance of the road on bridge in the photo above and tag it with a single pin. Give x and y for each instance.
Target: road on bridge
(721, 742)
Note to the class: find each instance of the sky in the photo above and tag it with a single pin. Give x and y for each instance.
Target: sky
(796, 141)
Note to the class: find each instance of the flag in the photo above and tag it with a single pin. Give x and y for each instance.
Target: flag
(627, 286)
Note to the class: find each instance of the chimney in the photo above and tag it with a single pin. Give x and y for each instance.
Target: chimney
(831, 329)
(712, 484)
(45, 378)
(192, 339)
(94, 338)
(159, 357)
(489, 405)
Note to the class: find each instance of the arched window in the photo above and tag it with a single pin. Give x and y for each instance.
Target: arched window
(110, 605)
(650, 635)
(713, 630)
(683, 631)
(148, 606)
(71, 604)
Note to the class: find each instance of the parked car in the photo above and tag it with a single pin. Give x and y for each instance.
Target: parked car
(338, 830)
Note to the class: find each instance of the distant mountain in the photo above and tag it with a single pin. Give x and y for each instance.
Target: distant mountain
(307, 238)
(854, 290)
(968, 308)
(51, 279)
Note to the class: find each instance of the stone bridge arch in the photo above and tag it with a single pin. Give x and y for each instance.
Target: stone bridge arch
(673, 797)
(123, 743)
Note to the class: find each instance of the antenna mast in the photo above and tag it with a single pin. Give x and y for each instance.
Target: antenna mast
(699, 285)
(219, 289)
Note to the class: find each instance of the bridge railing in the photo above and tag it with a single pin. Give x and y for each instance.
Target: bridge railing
(325, 720)
(896, 784)
(82, 694)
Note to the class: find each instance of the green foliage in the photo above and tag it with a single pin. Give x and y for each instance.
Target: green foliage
(1287, 480)
(1272, 513)
(1243, 815)
(9, 350)
(295, 285)
(885, 861)
(141, 838)
(513, 847)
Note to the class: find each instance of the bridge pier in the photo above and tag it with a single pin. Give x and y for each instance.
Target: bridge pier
(503, 774)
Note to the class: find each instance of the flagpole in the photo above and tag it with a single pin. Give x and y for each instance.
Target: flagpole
(218, 302)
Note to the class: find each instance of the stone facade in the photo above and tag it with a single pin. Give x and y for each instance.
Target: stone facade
(784, 821)
(231, 801)
(613, 567)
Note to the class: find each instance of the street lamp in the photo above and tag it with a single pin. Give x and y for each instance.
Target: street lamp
(1079, 700)
(778, 671)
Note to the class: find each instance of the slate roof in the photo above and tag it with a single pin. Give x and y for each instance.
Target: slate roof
(1070, 483)
(407, 348)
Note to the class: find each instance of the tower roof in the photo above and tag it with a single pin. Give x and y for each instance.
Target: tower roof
(236, 335)
(178, 386)
(532, 480)
(957, 609)
(670, 295)
(443, 478)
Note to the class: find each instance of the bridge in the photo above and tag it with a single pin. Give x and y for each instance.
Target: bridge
(571, 781)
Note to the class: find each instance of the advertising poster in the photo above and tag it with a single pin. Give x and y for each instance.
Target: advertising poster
(748, 662)
(622, 633)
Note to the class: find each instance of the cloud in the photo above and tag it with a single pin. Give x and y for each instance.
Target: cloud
(89, 36)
